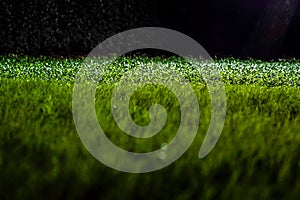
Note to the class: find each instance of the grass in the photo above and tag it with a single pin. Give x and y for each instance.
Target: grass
(257, 155)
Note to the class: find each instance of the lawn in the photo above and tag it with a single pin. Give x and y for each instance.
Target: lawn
(257, 155)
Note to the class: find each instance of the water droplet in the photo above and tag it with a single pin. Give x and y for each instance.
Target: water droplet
(162, 155)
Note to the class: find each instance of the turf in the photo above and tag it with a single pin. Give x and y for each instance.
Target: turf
(257, 155)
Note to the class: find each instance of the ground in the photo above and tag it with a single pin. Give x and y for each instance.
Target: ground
(257, 155)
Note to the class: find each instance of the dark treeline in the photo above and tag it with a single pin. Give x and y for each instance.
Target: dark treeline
(256, 28)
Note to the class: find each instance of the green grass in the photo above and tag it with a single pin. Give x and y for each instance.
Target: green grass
(234, 71)
(257, 155)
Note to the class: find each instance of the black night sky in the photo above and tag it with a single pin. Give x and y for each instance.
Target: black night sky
(241, 28)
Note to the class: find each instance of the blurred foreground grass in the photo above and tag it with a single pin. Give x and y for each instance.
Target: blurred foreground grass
(41, 155)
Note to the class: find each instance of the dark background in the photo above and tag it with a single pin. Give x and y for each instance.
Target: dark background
(241, 28)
